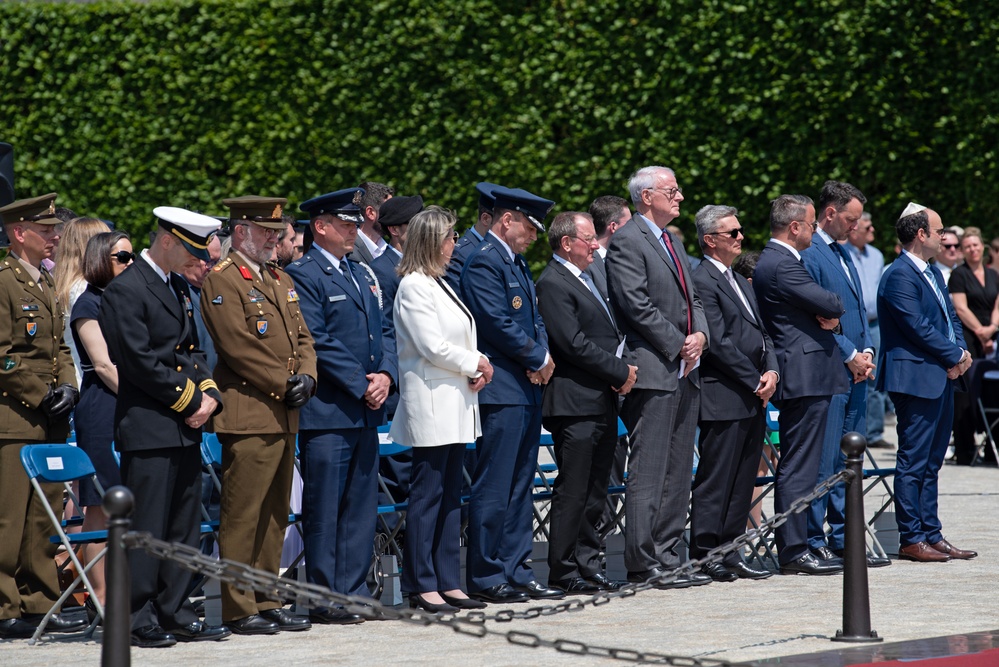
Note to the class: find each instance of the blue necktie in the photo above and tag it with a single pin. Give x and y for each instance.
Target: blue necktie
(588, 281)
(943, 303)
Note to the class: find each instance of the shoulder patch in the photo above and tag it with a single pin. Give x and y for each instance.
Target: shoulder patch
(224, 263)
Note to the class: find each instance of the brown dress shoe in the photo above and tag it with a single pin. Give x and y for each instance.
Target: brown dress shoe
(921, 552)
(945, 547)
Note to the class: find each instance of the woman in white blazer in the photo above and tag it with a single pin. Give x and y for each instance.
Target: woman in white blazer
(440, 374)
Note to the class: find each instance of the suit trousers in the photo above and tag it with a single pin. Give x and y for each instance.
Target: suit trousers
(662, 425)
(724, 483)
(924, 426)
(257, 471)
(339, 506)
(28, 580)
(847, 412)
(802, 429)
(500, 513)
(167, 488)
(876, 400)
(584, 454)
(433, 520)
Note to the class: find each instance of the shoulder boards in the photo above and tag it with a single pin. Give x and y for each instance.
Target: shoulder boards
(224, 263)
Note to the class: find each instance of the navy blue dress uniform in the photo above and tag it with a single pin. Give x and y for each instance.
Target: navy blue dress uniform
(498, 289)
(470, 240)
(147, 320)
(33, 361)
(338, 438)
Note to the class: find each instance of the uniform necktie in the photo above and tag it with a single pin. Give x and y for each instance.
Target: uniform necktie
(588, 281)
(349, 275)
(942, 302)
(679, 272)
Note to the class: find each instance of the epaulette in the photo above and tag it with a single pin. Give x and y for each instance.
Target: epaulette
(486, 246)
(5, 264)
(224, 263)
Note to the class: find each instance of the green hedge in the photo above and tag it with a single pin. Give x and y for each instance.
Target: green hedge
(124, 106)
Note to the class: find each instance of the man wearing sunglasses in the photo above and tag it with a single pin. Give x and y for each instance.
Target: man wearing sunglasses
(950, 254)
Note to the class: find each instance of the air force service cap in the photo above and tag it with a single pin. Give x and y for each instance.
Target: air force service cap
(263, 211)
(486, 200)
(193, 229)
(39, 210)
(522, 201)
(399, 210)
(344, 204)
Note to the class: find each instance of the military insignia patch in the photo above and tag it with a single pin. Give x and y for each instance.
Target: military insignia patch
(245, 272)
(26, 307)
(292, 295)
(217, 300)
(517, 303)
(31, 328)
(8, 363)
(256, 296)
(261, 327)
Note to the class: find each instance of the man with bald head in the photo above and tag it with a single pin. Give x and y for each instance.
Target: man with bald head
(922, 358)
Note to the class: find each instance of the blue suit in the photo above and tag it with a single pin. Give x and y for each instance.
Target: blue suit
(338, 438)
(915, 355)
(463, 249)
(848, 410)
(499, 292)
(388, 280)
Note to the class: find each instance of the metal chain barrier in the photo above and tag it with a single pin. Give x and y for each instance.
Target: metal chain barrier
(473, 623)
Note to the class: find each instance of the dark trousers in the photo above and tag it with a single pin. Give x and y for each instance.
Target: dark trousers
(167, 488)
(339, 506)
(584, 453)
(433, 520)
(662, 425)
(802, 428)
(723, 485)
(923, 433)
(500, 516)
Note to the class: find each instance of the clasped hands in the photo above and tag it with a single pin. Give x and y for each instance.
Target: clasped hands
(961, 367)
(544, 374)
(485, 371)
(861, 367)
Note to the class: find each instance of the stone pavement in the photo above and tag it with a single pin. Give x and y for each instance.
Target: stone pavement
(739, 621)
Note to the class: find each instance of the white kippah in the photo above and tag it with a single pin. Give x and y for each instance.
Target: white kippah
(913, 207)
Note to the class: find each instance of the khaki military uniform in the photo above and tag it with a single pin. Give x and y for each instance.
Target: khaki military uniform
(33, 357)
(261, 340)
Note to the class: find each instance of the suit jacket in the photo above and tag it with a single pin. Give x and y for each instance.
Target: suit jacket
(205, 341)
(598, 271)
(741, 350)
(789, 300)
(262, 341)
(649, 305)
(915, 349)
(463, 249)
(360, 252)
(824, 266)
(583, 340)
(437, 356)
(351, 340)
(500, 295)
(161, 370)
(33, 355)
(384, 267)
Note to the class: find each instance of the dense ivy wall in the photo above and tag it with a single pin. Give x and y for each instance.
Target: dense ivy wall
(124, 106)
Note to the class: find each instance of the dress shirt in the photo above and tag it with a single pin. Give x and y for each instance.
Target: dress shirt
(870, 264)
(376, 249)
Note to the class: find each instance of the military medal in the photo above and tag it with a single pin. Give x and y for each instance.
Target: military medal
(292, 295)
(517, 303)
(256, 296)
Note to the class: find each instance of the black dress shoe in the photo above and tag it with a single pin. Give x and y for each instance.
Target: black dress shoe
(697, 579)
(57, 623)
(809, 564)
(416, 601)
(826, 554)
(872, 561)
(578, 586)
(287, 621)
(500, 594)
(197, 631)
(254, 624)
(880, 443)
(91, 610)
(335, 616)
(15, 628)
(744, 571)
(719, 572)
(601, 580)
(152, 636)
(463, 603)
(538, 591)
(645, 575)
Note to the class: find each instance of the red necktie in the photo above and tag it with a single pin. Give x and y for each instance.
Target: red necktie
(679, 272)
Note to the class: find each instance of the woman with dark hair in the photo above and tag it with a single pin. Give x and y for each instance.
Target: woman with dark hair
(106, 256)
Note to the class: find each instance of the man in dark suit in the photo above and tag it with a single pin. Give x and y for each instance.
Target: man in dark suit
(338, 428)
(165, 395)
(829, 264)
(609, 213)
(580, 403)
(657, 308)
(738, 377)
(922, 358)
(370, 245)
(195, 278)
(498, 289)
(799, 316)
(473, 236)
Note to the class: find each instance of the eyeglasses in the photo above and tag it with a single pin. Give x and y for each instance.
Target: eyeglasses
(123, 256)
(455, 236)
(951, 246)
(669, 192)
(588, 240)
(813, 225)
(734, 233)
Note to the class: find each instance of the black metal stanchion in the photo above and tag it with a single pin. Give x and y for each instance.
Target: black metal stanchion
(856, 598)
(116, 648)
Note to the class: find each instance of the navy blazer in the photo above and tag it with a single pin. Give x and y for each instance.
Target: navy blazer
(789, 301)
(352, 339)
(501, 298)
(463, 249)
(741, 349)
(823, 263)
(388, 280)
(915, 351)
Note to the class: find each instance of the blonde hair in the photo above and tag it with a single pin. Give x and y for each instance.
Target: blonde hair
(424, 237)
(72, 248)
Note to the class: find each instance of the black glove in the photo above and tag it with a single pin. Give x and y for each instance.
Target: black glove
(300, 390)
(60, 400)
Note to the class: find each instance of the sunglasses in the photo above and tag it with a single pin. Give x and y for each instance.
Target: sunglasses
(734, 233)
(951, 246)
(123, 256)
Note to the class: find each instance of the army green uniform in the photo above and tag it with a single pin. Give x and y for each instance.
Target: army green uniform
(33, 357)
(261, 340)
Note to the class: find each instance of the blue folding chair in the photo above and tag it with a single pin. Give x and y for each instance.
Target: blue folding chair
(64, 464)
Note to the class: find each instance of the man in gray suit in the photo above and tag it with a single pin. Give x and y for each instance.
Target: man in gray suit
(657, 308)
(609, 213)
(370, 244)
